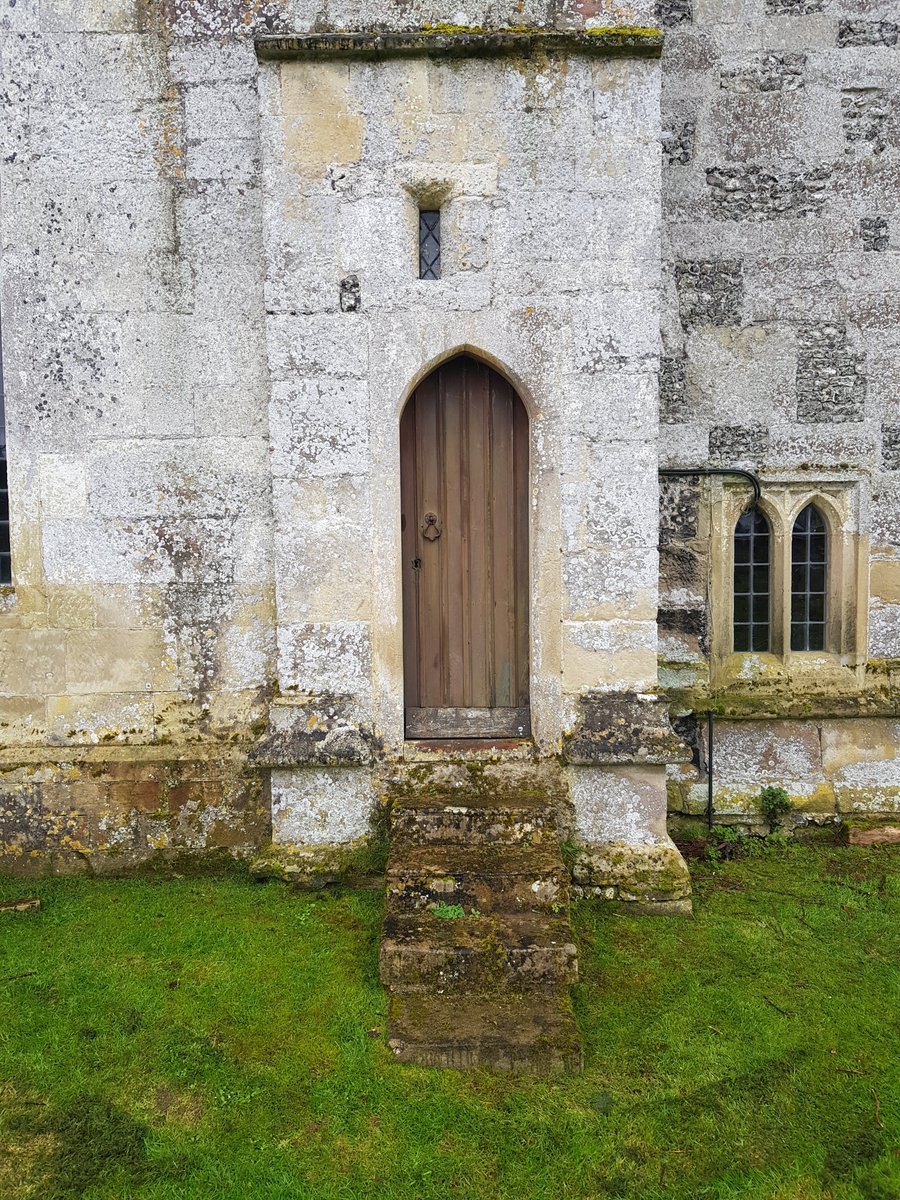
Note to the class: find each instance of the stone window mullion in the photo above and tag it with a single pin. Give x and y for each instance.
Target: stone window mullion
(781, 591)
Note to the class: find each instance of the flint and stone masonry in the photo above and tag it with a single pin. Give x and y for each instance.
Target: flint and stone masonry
(674, 232)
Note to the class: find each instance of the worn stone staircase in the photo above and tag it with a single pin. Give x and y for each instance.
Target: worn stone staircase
(490, 987)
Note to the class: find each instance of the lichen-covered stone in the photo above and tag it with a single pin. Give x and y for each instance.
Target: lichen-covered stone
(865, 113)
(769, 71)
(831, 381)
(867, 33)
(315, 731)
(622, 728)
(874, 233)
(310, 866)
(113, 811)
(709, 292)
(633, 875)
(202, 421)
(755, 193)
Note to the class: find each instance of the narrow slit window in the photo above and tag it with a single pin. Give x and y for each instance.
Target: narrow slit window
(752, 555)
(809, 577)
(5, 556)
(429, 243)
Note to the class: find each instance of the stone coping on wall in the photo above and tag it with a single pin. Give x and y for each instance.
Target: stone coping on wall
(442, 41)
(823, 688)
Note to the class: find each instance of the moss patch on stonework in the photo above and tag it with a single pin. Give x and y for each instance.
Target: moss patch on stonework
(203, 1038)
(638, 875)
(315, 867)
(760, 688)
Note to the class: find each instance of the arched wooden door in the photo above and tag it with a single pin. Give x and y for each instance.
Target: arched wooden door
(464, 490)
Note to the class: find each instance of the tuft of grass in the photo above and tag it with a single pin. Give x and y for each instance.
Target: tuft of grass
(213, 1038)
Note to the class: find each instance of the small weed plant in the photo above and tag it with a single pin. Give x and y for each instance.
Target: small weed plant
(774, 803)
(449, 912)
(726, 833)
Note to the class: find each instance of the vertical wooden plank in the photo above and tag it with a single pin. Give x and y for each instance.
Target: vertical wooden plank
(522, 571)
(452, 391)
(478, 565)
(409, 551)
(502, 533)
(432, 650)
(465, 520)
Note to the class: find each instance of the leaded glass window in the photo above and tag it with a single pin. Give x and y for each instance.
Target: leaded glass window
(5, 558)
(752, 555)
(429, 243)
(809, 571)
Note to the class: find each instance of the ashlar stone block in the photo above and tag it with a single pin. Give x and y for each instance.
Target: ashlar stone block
(320, 806)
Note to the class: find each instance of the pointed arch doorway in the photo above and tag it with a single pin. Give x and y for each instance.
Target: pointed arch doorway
(464, 497)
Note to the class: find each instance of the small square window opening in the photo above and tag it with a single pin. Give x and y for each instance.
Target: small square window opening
(429, 243)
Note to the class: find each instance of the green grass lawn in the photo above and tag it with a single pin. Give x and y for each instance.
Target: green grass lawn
(221, 1039)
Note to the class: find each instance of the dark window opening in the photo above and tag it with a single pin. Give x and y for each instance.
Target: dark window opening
(429, 244)
(5, 556)
(809, 572)
(751, 583)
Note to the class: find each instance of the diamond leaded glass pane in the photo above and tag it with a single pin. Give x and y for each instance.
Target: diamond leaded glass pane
(429, 244)
(751, 583)
(5, 560)
(809, 569)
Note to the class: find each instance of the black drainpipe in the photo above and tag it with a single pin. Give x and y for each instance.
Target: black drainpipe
(753, 480)
(709, 768)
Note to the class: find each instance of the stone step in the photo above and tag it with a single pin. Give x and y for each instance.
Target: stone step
(488, 879)
(423, 952)
(470, 818)
(527, 1032)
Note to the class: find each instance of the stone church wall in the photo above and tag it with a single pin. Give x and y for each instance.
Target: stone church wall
(141, 651)
(187, 573)
(781, 355)
(137, 646)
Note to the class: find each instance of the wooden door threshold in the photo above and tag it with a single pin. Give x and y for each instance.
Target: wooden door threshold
(447, 750)
(464, 724)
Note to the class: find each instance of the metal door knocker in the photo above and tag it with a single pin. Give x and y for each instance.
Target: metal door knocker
(431, 527)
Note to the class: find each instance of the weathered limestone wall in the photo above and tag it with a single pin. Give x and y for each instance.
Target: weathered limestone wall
(833, 770)
(546, 170)
(183, 579)
(781, 355)
(138, 643)
(203, 495)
